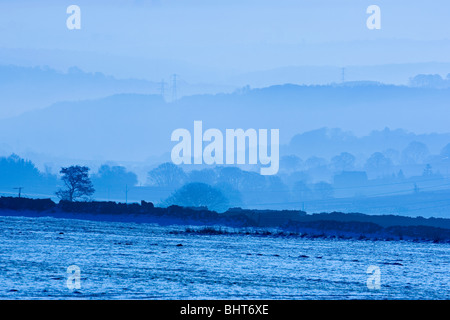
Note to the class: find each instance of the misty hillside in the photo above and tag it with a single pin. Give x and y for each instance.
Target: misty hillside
(134, 127)
(326, 142)
(27, 88)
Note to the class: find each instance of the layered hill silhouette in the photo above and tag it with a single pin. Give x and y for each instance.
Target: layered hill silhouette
(136, 126)
(28, 88)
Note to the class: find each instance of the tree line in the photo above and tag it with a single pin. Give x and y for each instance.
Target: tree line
(217, 188)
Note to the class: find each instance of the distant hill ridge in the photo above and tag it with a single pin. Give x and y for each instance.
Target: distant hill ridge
(141, 125)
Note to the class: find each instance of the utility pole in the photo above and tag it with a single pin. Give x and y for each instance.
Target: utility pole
(174, 87)
(126, 194)
(20, 190)
(343, 75)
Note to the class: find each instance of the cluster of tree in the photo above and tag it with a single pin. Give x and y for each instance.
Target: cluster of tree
(199, 195)
(16, 172)
(329, 142)
(377, 164)
(219, 188)
(112, 181)
(430, 81)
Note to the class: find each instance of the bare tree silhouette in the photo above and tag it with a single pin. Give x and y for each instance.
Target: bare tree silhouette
(77, 184)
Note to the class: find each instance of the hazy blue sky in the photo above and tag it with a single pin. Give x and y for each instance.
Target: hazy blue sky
(225, 37)
(227, 44)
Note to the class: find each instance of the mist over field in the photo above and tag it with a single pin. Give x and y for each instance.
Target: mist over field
(337, 142)
(256, 149)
